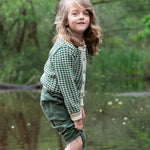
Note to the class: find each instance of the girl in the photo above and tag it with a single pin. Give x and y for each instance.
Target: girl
(64, 75)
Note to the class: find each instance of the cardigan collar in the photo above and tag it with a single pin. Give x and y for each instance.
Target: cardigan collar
(82, 48)
(66, 42)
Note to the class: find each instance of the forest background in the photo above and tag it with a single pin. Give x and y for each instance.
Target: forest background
(26, 32)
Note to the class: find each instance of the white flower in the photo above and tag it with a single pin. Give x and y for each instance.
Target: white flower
(116, 99)
(28, 124)
(125, 118)
(123, 123)
(119, 102)
(113, 119)
(12, 127)
(141, 108)
(109, 103)
(100, 110)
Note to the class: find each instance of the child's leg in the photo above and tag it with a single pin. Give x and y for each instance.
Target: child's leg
(75, 144)
(61, 121)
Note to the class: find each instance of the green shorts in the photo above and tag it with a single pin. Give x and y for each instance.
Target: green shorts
(54, 108)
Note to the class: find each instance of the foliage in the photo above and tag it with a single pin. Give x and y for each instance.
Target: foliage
(145, 33)
(112, 67)
(18, 67)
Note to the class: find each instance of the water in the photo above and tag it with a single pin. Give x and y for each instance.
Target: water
(113, 122)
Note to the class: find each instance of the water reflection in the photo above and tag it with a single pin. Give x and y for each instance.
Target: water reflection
(114, 122)
(19, 123)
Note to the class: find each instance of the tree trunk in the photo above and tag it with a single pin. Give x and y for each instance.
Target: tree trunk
(20, 32)
(33, 27)
(2, 34)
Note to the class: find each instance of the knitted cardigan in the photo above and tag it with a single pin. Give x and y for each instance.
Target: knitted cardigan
(63, 73)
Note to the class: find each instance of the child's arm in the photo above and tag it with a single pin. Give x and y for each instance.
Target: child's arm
(64, 62)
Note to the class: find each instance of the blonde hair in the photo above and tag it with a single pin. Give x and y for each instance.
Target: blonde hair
(91, 36)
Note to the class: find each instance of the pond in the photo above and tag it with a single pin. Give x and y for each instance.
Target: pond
(113, 122)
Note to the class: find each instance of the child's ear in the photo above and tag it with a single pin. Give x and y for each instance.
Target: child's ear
(67, 23)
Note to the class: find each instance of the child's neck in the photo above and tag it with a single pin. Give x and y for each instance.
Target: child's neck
(78, 36)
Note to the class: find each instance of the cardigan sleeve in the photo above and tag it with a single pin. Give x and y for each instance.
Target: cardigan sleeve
(63, 64)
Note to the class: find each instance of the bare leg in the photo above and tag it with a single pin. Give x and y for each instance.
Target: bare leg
(75, 144)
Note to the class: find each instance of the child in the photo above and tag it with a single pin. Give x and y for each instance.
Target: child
(64, 75)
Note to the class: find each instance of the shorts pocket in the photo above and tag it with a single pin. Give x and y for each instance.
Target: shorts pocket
(47, 109)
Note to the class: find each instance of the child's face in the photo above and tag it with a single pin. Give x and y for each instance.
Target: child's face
(78, 18)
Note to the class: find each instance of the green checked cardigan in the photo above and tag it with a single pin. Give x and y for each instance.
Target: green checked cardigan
(63, 73)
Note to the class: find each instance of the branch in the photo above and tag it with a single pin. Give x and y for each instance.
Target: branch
(10, 28)
(105, 1)
(30, 80)
(20, 87)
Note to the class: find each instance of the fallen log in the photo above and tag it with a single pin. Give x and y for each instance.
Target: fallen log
(19, 86)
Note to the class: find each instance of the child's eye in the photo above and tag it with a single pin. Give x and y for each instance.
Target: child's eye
(74, 13)
(86, 13)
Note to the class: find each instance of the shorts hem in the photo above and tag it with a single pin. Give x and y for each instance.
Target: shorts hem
(74, 137)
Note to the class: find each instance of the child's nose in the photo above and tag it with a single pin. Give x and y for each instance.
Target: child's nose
(81, 16)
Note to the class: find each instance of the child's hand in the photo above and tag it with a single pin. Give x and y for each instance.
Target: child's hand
(83, 113)
(78, 125)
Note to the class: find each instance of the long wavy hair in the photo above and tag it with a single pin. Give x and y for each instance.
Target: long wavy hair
(92, 35)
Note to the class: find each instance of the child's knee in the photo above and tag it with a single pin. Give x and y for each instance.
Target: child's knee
(76, 144)
(80, 142)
